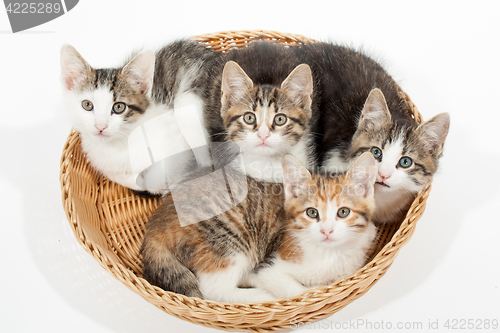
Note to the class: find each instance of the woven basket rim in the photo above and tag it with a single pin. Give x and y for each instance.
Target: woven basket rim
(365, 277)
(257, 34)
(89, 245)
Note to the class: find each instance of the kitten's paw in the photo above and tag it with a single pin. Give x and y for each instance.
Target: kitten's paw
(260, 295)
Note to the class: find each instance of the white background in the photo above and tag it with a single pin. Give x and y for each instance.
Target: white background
(445, 55)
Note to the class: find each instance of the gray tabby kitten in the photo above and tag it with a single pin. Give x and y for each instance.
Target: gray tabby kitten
(362, 109)
(138, 122)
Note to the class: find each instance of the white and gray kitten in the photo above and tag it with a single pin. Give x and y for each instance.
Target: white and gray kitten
(138, 123)
(362, 109)
(407, 154)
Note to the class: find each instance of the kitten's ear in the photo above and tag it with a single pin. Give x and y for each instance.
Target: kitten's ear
(362, 175)
(139, 72)
(299, 86)
(375, 111)
(74, 69)
(235, 83)
(295, 178)
(433, 133)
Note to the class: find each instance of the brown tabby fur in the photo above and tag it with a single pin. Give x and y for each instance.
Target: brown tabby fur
(277, 102)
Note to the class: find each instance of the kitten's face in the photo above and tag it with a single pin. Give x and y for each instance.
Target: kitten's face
(330, 212)
(407, 154)
(266, 120)
(104, 103)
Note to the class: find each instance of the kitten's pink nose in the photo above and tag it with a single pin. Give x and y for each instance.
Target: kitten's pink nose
(383, 177)
(101, 128)
(263, 135)
(326, 232)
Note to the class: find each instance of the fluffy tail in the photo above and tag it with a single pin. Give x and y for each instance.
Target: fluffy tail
(162, 269)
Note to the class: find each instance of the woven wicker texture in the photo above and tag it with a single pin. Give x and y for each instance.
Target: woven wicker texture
(108, 221)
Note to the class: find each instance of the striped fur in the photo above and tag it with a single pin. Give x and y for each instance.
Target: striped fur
(266, 236)
(351, 84)
(265, 80)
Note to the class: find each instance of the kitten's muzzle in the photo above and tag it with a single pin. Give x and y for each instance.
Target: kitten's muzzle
(101, 128)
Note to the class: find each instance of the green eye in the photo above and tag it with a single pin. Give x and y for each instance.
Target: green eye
(87, 105)
(343, 212)
(377, 152)
(312, 213)
(119, 107)
(280, 119)
(249, 118)
(405, 162)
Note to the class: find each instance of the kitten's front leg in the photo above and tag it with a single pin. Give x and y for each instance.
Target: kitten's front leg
(222, 285)
(277, 282)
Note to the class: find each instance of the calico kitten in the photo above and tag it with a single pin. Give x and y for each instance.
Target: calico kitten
(264, 103)
(281, 240)
(362, 110)
(126, 118)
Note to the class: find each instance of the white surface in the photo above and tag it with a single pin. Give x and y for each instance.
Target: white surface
(445, 56)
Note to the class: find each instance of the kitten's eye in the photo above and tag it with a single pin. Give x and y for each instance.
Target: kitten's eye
(343, 212)
(249, 118)
(280, 119)
(405, 162)
(377, 152)
(312, 213)
(119, 107)
(87, 105)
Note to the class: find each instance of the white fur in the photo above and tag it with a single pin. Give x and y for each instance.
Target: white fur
(398, 178)
(189, 116)
(336, 164)
(390, 200)
(222, 285)
(122, 153)
(265, 163)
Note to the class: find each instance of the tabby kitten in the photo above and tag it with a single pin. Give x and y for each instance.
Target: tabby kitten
(281, 240)
(264, 103)
(363, 110)
(144, 112)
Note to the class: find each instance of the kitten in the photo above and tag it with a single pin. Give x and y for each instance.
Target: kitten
(362, 110)
(282, 239)
(264, 103)
(125, 116)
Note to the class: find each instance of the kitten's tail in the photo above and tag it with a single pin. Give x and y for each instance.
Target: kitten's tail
(167, 272)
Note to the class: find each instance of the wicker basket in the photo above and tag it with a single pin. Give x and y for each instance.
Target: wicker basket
(108, 221)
